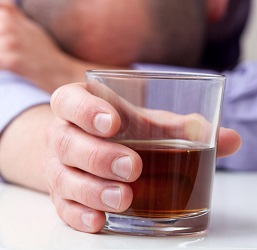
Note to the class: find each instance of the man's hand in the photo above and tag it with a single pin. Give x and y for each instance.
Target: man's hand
(87, 174)
(27, 49)
(69, 156)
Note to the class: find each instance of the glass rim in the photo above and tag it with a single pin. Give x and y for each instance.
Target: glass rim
(147, 74)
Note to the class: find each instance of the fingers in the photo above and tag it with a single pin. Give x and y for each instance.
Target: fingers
(101, 158)
(10, 6)
(92, 114)
(7, 18)
(89, 190)
(88, 111)
(89, 174)
(7, 3)
(194, 127)
(228, 143)
(80, 172)
(79, 217)
(9, 42)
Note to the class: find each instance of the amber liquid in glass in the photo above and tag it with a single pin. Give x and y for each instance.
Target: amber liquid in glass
(176, 179)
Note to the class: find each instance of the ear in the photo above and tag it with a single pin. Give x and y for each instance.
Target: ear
(216, 9)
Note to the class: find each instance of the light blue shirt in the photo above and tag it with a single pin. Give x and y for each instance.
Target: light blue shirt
(239, 106)
(239, 111)
(16, 95)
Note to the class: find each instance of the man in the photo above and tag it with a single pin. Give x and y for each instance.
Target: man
(101, 33)
(80, 194)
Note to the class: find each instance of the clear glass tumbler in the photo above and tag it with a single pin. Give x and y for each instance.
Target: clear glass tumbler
(171, 120)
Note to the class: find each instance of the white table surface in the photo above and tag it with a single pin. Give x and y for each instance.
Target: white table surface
(28, 221)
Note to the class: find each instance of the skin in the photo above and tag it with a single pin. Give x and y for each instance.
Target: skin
(60, 149)
(53, 69)
(68, 57)
(80, 186)
(17, 54)
(113, 33)
(216, 9)
(81, 38)
(121, 33)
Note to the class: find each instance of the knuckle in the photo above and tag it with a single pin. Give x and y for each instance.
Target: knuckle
(58, 97)
(97, 160)
(71, 213)
(60, 206)
(195, 117)
(194, 127)
(6, 18)
(63, 141)
(13, 44)
(7, 24)
(81, 109)
(89, 196)
(85, 109)
(57, 178)
(92, 160)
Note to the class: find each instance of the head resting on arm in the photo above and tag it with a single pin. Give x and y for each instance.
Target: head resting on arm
(122, 32)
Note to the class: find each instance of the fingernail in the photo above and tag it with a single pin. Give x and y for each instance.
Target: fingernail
(111, 197)
(122, 167)
(86, 218)
(103, 123)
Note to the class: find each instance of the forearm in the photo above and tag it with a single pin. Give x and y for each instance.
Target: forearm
(43, 63)
(22, 147)
(68, 70)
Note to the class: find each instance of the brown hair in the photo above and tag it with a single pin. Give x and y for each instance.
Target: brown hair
(178, 32)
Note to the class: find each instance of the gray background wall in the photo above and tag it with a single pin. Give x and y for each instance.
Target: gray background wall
(249, 39)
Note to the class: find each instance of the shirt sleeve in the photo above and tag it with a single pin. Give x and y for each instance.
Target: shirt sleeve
(17, 95)
(239, 111)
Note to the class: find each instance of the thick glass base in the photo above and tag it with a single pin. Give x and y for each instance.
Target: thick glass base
(195, 223)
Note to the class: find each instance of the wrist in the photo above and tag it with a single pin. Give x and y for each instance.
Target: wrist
(24, 138)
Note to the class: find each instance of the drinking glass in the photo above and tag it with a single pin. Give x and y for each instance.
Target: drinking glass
(171, 120)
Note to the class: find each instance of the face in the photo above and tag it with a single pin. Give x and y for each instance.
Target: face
(102, 31)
